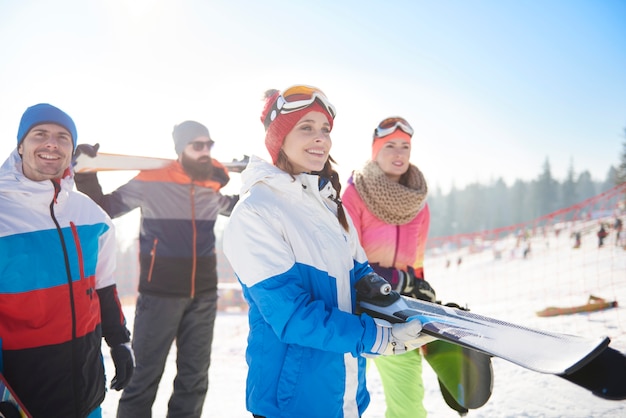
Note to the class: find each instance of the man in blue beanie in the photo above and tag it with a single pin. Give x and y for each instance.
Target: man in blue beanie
(58, 297)
(53, 136)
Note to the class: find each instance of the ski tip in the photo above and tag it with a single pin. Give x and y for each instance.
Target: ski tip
(610, 395)
(604, 376)
(600, 348)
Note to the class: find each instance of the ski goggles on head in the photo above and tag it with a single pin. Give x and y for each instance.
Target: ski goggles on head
(297, 98)
(390, 125)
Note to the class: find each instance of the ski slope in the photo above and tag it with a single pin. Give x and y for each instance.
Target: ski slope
(512, 288)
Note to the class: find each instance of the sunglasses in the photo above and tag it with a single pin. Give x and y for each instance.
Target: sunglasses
(199, 145)
(389, 126)
(297, 98)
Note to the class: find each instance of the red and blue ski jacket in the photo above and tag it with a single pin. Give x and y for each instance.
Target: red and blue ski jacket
(57, 293)
(177, 238)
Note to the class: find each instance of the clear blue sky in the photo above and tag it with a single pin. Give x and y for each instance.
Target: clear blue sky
(492, 87)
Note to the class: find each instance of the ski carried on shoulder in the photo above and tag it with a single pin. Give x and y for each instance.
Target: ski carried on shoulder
(116, 162)
(587, 362)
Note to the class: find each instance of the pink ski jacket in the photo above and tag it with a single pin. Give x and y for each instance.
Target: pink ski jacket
(390, 246)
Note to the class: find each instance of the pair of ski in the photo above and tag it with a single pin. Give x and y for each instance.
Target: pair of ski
(461, 355)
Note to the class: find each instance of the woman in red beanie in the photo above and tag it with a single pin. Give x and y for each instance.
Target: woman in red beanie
(386, 200)
(297, 257)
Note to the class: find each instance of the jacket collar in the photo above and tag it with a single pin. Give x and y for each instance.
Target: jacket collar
(13, 182)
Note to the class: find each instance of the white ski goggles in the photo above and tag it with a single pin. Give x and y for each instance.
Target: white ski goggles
(296, 98)
(390, 125)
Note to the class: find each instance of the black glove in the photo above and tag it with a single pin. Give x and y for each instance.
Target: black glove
(457, 306)
(417, 288)
(88, 150)
(124, 360)
(424, 291)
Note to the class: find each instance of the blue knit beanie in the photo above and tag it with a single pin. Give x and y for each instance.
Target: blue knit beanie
(44, 113)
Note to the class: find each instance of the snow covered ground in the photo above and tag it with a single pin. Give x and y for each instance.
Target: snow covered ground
(510, 288)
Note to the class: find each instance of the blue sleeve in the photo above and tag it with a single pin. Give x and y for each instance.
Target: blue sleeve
(296, 318)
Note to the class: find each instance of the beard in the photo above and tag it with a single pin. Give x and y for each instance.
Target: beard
(200, 169)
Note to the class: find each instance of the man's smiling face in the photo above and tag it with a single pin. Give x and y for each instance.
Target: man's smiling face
(46, 152)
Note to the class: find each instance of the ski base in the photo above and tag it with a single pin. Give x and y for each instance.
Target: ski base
(604, 376)
(465, 376)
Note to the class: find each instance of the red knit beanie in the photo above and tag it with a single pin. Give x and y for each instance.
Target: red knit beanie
(283, 123)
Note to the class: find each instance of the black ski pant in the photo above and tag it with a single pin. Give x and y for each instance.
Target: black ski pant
(158, 322)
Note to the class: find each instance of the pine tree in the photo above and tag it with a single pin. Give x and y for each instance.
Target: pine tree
(545, 191)
(620, 176)
(569, 196)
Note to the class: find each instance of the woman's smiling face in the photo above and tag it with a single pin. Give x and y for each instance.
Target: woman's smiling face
(308, 144)
(393, 158)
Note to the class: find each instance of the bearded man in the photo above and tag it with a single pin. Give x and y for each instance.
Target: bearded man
(178, 278)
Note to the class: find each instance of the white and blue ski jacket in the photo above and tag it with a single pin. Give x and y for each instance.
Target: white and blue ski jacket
(57, 293)
(298, 267)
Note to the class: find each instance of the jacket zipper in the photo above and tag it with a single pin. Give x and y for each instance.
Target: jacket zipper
(79, 250)
(152, 258)
(395, 250)
(57, 189)
(193, 240)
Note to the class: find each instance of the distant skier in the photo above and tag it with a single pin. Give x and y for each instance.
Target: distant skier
(618, 229)
(577, 239)
(601, 235)
(527, 249)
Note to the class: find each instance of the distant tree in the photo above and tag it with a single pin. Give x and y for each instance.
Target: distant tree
(520, 198)
(620, 175)
(436, 203)
(475, 205)
(545, 195)
(609, 181)
(569, 195)
(498, 212)
(452, 212)
(478, 207)
(585, 186)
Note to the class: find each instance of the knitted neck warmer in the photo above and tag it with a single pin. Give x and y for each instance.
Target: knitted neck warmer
(389, 201)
